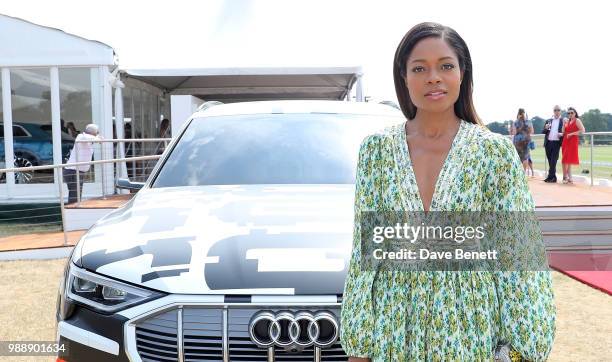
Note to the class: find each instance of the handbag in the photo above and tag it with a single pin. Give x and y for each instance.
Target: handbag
(531, 145)
(504, 353)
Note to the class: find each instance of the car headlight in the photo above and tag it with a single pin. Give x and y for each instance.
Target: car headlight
(103, 294)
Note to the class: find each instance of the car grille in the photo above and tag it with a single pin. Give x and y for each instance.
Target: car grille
(156, 338)
(202, 339)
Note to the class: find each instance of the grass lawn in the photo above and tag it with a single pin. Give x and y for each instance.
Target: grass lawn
(29, 218)
(16, 229)
(27, 308)
(600, 154)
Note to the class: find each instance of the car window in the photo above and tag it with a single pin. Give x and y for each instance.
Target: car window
(269, 149)
(65, 136)
(18, 131)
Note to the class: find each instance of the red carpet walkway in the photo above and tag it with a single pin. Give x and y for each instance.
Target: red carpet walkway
(592, 269)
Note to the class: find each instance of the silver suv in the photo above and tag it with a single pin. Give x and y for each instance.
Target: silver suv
(235, 249)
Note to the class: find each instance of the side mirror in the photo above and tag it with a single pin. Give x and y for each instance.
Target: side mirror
(124, 183)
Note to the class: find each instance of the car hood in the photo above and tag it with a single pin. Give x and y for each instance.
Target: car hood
(255, 239)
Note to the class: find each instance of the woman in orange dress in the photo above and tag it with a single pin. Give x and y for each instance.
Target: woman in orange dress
(572, 128)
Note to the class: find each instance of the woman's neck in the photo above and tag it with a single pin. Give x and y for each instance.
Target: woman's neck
(433, 125)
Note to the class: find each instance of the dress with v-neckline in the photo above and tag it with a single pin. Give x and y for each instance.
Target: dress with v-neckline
(412, 181)
(440, 315)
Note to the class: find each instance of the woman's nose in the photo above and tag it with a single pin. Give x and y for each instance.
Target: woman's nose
(434, 78)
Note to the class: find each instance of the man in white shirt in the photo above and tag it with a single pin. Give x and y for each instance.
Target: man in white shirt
(81, 152)
(553, 136)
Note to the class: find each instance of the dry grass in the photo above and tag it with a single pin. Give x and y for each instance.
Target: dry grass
(27, 311)
(27, 305)
(584, 322)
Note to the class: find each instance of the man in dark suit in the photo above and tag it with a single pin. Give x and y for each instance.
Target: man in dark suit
(553, 136)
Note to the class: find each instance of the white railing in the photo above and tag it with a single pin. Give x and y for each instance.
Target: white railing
(60, 172)
(51, 218)
(599, 156)
(119, 151)
(40, 178)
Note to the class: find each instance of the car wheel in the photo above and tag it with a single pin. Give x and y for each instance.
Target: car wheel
(23, 177)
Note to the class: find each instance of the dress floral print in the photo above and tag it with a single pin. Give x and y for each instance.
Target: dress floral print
(444, 315)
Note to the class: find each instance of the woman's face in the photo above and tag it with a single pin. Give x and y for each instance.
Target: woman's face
(433, 76)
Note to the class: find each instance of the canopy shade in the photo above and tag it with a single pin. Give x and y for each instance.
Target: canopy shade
(25, 44)
(251, 84)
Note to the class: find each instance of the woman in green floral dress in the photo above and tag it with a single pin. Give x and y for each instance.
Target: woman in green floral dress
(442, 159)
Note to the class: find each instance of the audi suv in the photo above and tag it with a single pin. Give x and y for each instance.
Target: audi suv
(235, 249)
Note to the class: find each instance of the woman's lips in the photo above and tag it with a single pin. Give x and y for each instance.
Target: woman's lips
(435, 95)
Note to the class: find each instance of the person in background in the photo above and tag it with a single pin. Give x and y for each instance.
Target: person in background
(71, 129)
(572, 128)
(522, 130)
(81, 152)
(530, 163)
(164, 128)
(164, 132)
(63, 125)
(553, 135)
(160, 147)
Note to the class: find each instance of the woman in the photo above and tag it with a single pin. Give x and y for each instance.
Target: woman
(572, 128)
(441, 159)
(522, 129)
(72, 131)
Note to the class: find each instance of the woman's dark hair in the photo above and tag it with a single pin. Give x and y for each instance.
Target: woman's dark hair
(520, 111)
(464, 106)
(573, 109)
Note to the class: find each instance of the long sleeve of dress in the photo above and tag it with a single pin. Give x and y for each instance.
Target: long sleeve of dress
(526, 316)
(357, 320)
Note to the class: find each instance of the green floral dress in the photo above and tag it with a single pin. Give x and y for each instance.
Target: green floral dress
(440, 315)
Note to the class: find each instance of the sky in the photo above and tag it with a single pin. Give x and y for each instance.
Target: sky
(529, 54)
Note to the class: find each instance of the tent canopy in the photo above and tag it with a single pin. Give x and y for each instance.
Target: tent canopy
(251, 84)
(26, 44)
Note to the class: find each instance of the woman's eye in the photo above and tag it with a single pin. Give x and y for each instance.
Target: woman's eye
(448, 66)
(418, 69)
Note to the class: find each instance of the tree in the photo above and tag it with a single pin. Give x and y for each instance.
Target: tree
(498, 127)
(595, 121)
(538, 124)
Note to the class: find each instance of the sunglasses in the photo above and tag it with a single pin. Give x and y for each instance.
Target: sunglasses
(571, 112)
(557, 110)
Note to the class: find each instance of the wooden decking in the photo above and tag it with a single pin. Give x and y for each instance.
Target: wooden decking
(569, 195)
(39, 240)
(545, 195)
(109, 202)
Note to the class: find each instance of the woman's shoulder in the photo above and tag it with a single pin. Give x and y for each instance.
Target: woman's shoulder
(491, 143)
(382, 136)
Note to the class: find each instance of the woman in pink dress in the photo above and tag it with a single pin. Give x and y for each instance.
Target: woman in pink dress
(572, 128)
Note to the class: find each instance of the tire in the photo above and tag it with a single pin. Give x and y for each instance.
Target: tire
(25, 176)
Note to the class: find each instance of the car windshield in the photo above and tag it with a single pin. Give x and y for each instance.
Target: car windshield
(313, 148)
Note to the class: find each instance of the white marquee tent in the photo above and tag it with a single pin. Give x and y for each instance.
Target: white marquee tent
(50, 78)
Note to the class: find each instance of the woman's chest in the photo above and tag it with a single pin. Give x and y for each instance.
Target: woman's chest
(521, 126)
(455, 184)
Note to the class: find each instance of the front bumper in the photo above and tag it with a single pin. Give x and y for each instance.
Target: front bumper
(187, 328)
(91, 336)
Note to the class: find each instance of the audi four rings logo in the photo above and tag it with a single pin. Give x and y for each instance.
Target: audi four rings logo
(286, 329)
